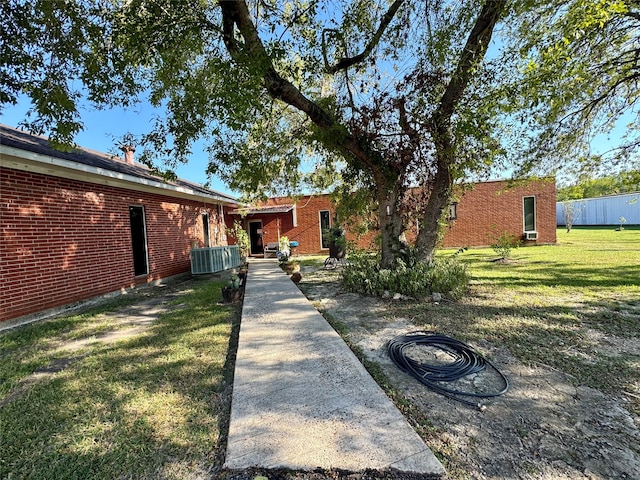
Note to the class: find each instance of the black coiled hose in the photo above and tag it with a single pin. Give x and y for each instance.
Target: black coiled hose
(466, 361)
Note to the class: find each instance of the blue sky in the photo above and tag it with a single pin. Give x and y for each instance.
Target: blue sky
(103, 128)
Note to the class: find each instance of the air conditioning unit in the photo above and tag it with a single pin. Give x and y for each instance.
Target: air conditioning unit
(530, 235)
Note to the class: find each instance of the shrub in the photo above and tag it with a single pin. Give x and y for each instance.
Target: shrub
(242, 238)
(450, 277)
(504, 243)
(446, 276)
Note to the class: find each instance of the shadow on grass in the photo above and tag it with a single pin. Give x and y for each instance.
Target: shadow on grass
(152, 406)
(594, 343)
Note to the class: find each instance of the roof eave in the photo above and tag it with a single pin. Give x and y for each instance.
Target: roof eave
(25, 160)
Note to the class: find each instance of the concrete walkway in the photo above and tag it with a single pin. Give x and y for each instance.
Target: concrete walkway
(302, 400)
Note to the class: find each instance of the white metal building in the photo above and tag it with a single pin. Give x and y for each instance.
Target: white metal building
(622, 209)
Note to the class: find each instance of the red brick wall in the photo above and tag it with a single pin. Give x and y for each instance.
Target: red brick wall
(64, 241)
(488, 204)
(307, 231)
(491, 204)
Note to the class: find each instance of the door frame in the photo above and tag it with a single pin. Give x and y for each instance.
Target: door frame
(139, 245)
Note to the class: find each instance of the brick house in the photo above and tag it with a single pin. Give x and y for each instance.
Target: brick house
(301, 221)
(84, 224)
(526, 210)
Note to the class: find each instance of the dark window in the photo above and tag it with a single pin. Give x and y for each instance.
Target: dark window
(529, 204)
(138, 240)
(453, 211)
(205, 229)
(325, 225)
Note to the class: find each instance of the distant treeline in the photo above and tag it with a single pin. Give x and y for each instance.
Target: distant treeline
(624, 182)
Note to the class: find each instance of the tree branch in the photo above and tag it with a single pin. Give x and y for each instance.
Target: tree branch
(472, 55)
(228, 30)
(347, 62)
(589, 108)
(236, 14)
(634, 15)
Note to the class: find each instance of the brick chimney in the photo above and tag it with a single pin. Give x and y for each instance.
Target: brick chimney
(128, 153)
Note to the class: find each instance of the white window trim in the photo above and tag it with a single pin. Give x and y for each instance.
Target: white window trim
(535, 214)
(320, 226)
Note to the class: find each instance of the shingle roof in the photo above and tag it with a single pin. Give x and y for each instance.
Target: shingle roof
(254, 210)
(22, 140)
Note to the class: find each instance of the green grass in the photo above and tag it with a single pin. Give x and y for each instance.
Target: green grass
(310, 260)
(149, 406)
(36, 346)
(594, 259)
(571, 306)
(156, 405)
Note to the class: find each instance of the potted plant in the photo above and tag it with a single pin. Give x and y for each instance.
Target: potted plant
(287, 264)
(291, 266)
(232, 292)
(337, 242)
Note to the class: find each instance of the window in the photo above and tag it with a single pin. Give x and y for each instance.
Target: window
(325, 225)
(453, 211)
(205, 229)
(529, 210)
(138, 240)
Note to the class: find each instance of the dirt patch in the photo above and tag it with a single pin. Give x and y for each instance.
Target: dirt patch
(544, 427)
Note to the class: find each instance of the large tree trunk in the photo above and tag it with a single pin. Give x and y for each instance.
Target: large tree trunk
(391, 224)
(440, 194)
(440, 125)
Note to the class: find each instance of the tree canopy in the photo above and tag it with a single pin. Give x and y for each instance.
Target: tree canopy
(374, 96)
(577, 81)
(378, 91)
(587, 187)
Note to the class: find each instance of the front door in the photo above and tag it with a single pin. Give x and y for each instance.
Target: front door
(255, 235)
(138, 240)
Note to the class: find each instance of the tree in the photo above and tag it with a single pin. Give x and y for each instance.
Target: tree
(578, 78)
(387, 94)
(572, 210)
(588, 187)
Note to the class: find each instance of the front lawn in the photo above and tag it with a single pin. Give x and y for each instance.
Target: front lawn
(574, 306)
(156, 404)
(562, 322)
(150, 405)
(591, 261)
